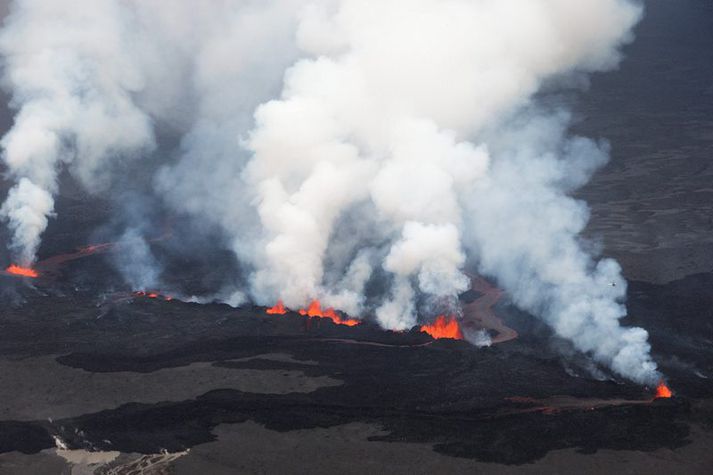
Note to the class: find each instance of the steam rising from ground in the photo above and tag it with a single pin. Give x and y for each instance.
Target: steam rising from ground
(71, 74)
(338, 143)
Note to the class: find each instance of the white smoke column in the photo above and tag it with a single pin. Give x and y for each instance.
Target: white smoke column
(393, 137)
(241, 51)
(26, 210)
(388, 111)
(71, 75)
(136, 262)
(381, 112)
(524, 231)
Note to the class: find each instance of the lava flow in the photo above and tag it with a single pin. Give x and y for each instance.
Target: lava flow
(315, 310)
(153, 295)
(663, 391)
(444, 327)
(22, 271)
(278, 309)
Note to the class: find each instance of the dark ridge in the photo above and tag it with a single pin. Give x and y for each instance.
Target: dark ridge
(24, 437)
(475, 434)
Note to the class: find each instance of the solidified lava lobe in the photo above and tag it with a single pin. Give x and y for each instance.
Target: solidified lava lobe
(663, 391)
(444, 327)
(22, 271)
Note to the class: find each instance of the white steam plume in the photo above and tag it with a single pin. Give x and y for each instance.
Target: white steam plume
(387, 111)
(70, 70)
(339, 141)
(136, 262)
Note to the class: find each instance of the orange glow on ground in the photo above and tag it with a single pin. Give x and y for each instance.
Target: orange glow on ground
(444, 327)
(315, 310)
(278, 309)
(22, 271)
(663, 391)
(153, 295)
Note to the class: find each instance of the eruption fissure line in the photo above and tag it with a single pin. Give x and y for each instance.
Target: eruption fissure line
(314, 310)
(49, 267)
(20, 271)
(427, 165)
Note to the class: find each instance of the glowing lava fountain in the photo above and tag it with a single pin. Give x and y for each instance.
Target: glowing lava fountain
(278, 309)
(315, 310)
(444, 327)
(663, 391)
(22, 271)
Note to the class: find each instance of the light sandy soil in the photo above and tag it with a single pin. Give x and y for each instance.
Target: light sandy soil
(250, 448)
(40, 388)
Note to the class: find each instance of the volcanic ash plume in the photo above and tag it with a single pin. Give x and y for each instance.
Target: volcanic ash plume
(69, 69)
(353, 152)
(26, 210)
(424, 116)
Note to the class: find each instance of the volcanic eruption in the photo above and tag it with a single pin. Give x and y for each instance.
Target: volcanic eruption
(278, 309)
(22, 271)
(326, 155)
(444, 327)
(314, 310)
(153, 295)
(663, 391)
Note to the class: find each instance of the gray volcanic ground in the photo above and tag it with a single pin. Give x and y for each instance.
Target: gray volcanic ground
(651, 205)
(94, 379)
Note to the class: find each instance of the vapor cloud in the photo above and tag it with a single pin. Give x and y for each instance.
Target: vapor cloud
(70, 70)
(338, 144)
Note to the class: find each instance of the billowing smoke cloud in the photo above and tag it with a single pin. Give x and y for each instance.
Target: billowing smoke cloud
(26, 210)
(71, 74)
(136, 262)
(341, 143)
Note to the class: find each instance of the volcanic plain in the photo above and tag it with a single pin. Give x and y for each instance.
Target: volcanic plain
(97, 379)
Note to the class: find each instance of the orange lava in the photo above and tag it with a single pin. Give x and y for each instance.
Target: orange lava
(332, 315)
(315, 310)
(663, 391)
(22, 271)
(444, 327)
(153, 295)
(278, 309)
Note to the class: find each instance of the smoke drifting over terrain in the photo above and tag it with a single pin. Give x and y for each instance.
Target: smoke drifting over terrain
(336, 144)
